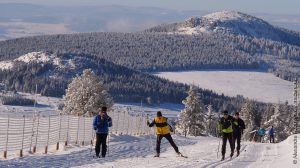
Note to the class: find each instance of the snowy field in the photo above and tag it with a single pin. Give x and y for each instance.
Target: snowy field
(49, 105)
(137, 152)
(260, 86)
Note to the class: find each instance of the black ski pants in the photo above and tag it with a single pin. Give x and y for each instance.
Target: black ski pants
(169, 138)
(237, 139)
(272, 140)
(230, 139)
(101, 142)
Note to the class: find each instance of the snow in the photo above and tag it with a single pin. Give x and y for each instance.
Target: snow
(45, 105)
(137, 152)
(39, 57)
(226, 15)
(6, 65)
(260, 86)
(229, 22)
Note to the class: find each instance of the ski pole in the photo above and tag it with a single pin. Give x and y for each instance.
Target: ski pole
(108, 139)
(149, 132)
(218, 148)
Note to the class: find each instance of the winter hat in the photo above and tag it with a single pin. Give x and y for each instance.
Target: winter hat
(225, 112)
(158, 114)
(237, 113)
(104, 109)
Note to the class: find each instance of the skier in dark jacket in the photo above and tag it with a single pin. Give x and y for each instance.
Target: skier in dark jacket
(101, 123)
(271, 133)
(225, 126)
(238, 128)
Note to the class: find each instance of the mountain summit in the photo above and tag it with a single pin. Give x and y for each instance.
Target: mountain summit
(233, 23)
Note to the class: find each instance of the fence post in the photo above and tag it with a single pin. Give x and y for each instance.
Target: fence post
(143, 124)
(5, 151)
(92, 140)
(138, 124)
(131, 125)
(59, 132)
(76, 142)
(21, 151)
(82, 143)
(124, 121)
(113, 118)
(128, 122)
(32, 132)
(49, 122)
(37, 133)
(66, 142)
(117, 127)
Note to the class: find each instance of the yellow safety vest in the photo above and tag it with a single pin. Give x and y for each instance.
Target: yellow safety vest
(162, 126)
(228, 130)
(225, 130)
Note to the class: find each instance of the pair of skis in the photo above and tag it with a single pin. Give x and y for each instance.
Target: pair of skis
(179, 155)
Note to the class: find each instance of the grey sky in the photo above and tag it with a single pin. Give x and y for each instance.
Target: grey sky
(257, 6)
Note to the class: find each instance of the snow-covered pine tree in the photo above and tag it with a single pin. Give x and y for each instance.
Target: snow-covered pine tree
(209, 119)
(86, 95)
(280, 120)
(192, 117)
(266, 115)
(248, 114)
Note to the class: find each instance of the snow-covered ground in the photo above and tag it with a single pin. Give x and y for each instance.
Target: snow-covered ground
(49, 105)
(126, 151)
(259, 86)
(45, 105)
(137, 152)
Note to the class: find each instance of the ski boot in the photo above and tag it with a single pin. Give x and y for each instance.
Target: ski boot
(231, 154)
(237, 153)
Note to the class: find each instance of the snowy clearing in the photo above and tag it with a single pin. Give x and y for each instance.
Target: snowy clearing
(50, 105)
(137, 152)
(260, 86)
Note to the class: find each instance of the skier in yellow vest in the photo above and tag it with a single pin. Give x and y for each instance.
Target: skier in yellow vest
(225, 126)
(162, 130)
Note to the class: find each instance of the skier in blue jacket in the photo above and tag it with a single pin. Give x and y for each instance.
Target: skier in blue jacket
(101, 123)
(271, 133)
(261, 132)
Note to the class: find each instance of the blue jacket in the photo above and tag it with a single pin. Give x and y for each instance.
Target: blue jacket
(101, 125)
(271, 131)
(261, 131)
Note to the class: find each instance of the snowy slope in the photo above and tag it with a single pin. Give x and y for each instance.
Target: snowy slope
(138, 151)
(260, 86)
(39, 57)
(230, 22)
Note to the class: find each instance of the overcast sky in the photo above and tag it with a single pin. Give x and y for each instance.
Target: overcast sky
(254, 6)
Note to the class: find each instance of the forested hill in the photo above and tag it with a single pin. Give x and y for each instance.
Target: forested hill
(165, 52)
(52, 73)
(225, 44)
